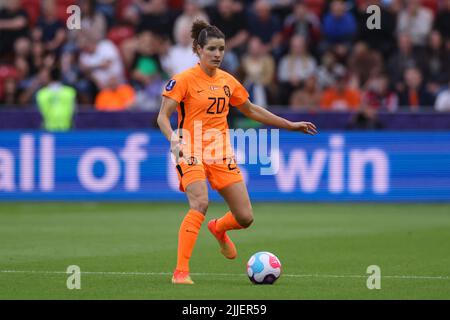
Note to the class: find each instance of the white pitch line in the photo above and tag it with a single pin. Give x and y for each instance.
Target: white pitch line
(410, 277)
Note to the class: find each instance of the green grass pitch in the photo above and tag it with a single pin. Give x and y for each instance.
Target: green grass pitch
(128, 251)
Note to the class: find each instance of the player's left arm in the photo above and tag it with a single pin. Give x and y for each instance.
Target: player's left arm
(260, 114)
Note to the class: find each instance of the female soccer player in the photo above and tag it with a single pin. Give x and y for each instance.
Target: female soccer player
(202, 97)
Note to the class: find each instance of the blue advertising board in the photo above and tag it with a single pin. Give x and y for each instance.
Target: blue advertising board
(136, 165)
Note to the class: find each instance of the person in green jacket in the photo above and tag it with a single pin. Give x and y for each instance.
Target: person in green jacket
(56, 104)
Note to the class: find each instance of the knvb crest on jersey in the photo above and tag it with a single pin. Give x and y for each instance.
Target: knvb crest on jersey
(192, 160)
(226, 89)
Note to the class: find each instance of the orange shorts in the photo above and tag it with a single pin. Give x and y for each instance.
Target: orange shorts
(219, 175)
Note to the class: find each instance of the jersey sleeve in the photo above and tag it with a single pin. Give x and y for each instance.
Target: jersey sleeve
(239, 94)
(176, 88)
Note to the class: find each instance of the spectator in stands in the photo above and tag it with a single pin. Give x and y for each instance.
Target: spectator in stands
(415, 95)
(307, 98)
(92, 21)
(56, 103)
(108, 9)
(281, 8)
(364, 63)
(155, 16)
(206, 4)
(147, 69)
(259, 70)
(131, 46)
(135, 10)
(267, 27)
(10, 94)
(328, 69)
(29, 87)
(99, 62)
(231, 20)
(38, 54)
(405, 57)
(147, 74)
(183, 23)
(9, 91)
(316, 6)
(350, 5)
(70, 70)
(13, 26)
(416, 21)
(340, 97)
(442, 22)
(49, 29)
(295, 68)
(339, 26)
(180, 56)
(443, 100)
(382, 39)
(437, 63)
(115, 96)
(379, 96)
(304, 23)
(27, 60)
(393, 6)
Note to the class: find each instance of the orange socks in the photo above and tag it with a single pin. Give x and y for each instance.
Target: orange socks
(227, 222)
(187, 235)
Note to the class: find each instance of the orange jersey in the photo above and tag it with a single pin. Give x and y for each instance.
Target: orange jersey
(334, 100)
(204, 103)
(114, 100)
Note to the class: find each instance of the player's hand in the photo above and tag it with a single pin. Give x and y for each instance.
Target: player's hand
(305, 127)
(176, 148)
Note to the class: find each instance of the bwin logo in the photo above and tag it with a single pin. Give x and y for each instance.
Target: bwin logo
(374, 21)
(341, 165)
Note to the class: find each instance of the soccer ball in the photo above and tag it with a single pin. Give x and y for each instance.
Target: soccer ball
(263, 268)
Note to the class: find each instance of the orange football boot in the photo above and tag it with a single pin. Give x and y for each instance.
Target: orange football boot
(181, 277)
(227, 247)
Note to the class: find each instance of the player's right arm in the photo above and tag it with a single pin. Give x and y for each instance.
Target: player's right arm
(168, 106)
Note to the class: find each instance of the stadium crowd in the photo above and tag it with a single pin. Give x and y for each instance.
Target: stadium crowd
(308, 55)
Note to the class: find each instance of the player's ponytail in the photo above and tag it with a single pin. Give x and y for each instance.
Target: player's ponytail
(201, 31)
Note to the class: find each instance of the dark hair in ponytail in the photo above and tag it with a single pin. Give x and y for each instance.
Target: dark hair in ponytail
(201, 31)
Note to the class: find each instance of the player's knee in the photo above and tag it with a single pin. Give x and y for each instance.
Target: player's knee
(199, 204)
(246, 219)
(246, 222)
